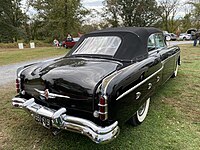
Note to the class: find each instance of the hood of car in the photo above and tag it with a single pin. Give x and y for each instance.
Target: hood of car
(75, 78)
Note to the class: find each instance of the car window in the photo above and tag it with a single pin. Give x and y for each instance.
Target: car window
(159, 39)
(101, 45)
(151, 43)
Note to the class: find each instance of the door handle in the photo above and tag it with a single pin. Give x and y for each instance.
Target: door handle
(138, 94)
(149, 86)
(158, 79)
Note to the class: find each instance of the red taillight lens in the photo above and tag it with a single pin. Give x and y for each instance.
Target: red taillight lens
(18, 85)
(103, 108)
(102, 101)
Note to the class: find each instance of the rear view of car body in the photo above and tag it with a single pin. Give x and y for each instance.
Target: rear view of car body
(101, 83)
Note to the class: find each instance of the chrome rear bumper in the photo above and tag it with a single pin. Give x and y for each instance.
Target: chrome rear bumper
(60, 120)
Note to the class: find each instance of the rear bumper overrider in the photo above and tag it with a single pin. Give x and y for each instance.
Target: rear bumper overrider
(61, 120)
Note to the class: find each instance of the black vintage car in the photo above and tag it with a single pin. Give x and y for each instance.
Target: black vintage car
(105, 80)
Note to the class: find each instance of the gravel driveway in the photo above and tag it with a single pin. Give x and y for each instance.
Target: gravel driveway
(8, 72)
(171, 43)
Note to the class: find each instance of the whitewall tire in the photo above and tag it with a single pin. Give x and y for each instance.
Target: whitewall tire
(175, 71)
(141, 114)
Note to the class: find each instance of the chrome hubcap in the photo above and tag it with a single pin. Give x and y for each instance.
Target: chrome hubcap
(141, 109)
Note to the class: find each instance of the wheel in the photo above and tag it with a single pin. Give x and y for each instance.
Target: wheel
(140, 115)
(175, 71)
(184, 38)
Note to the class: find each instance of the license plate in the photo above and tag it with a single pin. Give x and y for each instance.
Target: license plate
(46, 122)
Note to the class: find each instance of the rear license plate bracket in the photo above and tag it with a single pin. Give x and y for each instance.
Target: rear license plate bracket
(46, 122)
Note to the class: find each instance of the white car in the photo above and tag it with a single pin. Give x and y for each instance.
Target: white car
(185, 36)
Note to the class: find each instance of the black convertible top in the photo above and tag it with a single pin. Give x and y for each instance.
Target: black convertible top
(134, 41)
(142, 32)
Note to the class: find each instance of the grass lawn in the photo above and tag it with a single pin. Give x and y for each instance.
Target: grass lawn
(10, 56)
(173, 121)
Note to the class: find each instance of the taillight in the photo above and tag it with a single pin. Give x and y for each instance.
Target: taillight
(103, 108)
(18, 85)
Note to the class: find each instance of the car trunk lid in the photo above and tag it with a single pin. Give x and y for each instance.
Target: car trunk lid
(71, 80)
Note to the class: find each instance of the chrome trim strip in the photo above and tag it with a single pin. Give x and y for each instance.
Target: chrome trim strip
(114, 75)
(61, 120)
(105, 89)
(102, 113)
(103, 105)
(169, 57)
(18, 75)
(51, 95)
(139, 84)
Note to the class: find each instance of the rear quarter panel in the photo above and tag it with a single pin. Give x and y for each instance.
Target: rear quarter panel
(123, 87)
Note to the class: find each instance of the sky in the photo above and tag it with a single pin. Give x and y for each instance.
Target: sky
(97, 4)
(89, 4)
(93, 4)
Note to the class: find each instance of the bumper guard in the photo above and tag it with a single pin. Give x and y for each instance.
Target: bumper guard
(60, 120)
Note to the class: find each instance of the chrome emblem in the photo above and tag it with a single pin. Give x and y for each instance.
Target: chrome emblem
(46, 94)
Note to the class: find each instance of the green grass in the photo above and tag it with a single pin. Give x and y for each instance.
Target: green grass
(173, 121)
(10, 56)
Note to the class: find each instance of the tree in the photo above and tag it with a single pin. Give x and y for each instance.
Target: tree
(11, 20)
(196, 14)
(167, 11)
(111, 12)
(132, 13)
(56, 18)
(186, 22)
(138, 12)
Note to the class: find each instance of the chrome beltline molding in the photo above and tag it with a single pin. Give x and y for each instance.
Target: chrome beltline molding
(114, 75)
(169, 57)
(51, 95)
(139, 84)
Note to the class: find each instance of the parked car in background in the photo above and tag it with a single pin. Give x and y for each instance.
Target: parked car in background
(173, 36)
(185, 36)
(189, 31)
(170, 36)
(105, 80)
(167, 35)
(69, 43)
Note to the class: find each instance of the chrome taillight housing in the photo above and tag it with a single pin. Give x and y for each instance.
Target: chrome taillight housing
(103, 108)
(18, 85)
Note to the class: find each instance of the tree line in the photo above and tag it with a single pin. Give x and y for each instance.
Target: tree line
(57, 18)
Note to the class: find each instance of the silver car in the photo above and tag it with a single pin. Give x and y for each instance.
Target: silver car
(185, 36)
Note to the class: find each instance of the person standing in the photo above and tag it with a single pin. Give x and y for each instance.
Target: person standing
(194, 37)
(198, 36)
(56, 43)
(69, 38)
